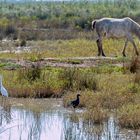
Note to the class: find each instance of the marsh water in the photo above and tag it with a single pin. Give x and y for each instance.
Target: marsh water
(47, 119)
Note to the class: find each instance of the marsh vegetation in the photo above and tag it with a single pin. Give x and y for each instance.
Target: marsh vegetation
(46, 118)
(47, 50)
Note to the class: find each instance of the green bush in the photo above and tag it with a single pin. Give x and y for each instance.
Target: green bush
(76, 79)
(30, 74)
(7, 29)
(23, 43)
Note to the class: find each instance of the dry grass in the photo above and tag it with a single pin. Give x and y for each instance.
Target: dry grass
(96, 115)
(129, 116)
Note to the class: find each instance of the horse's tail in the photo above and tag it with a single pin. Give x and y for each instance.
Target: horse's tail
(93, 24)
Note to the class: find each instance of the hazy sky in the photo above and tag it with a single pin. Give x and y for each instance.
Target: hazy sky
(46, 0)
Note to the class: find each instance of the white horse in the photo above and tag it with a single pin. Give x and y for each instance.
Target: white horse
(116, 28)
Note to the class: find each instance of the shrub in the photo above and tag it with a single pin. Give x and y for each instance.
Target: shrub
(33, 73)
(79, 80)
(70, 76)
(135, 64)
(30, 74)
(133, 87)
(23, 43)
(135, 68)
(87, 81)
(7, 29)
(10, 29)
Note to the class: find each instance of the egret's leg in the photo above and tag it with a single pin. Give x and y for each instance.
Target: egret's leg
(2, 101)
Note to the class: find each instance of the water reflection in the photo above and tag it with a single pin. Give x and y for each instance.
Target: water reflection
(54, 123)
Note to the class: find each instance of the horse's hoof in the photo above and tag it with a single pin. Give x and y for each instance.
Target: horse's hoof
(123, 54)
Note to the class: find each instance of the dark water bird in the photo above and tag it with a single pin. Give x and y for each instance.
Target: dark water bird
(76, 102)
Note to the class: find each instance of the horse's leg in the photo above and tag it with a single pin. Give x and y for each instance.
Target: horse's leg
(103, 54)
(137, 53)
(124, 48)
(135, 47)
(100, 48)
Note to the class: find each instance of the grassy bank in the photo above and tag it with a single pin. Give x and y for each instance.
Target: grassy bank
(36, 50)
(46, 82)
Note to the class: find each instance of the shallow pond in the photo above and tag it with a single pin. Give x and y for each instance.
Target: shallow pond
(47, 119)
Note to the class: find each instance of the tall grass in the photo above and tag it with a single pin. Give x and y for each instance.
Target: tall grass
(37, 81)
(129, 116)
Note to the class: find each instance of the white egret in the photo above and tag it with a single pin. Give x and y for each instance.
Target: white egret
(2, 88)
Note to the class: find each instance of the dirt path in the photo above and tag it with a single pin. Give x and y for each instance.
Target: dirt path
(82, 62)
